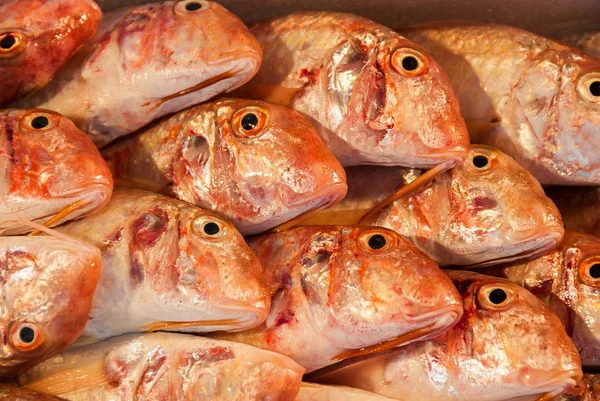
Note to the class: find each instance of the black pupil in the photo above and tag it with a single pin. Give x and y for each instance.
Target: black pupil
(377, 241)
(7, 42)
(39, 122)
(595, 270)
(480, 161)
(211, 228)
(27, 335)
(497, 296)
(193, 6)
(595, 88)
(409, 63)
(249, 121)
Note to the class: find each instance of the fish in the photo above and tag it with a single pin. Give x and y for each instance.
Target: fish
(588, 389)
(344, 291)
(319, 392)
(567, 279)
(588, 41)
(579, 206)
(166, 367)
(9, 393)
(260, 165)
(147, 61)
(375, 96)
(37, 37)
(168, 265)
(485, 211)
(507, 345)
(46, 287)
(532, 97)
(50, 171)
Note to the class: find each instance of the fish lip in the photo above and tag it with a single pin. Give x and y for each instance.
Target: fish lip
(550, 381)
(326, 201)
(444, 318)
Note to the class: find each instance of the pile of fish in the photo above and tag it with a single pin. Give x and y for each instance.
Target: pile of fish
(316, 208)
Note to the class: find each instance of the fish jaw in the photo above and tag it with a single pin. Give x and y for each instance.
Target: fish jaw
(548, 384)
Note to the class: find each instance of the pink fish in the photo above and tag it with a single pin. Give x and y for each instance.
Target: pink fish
(46, 287)
(166, 367)
(342, 291)
(50, 171)
(168, 265)
(258, 164)
(150, 60)
(567, 279)
(507, 346)
(485, 211)
(533, 98)
(37, 37)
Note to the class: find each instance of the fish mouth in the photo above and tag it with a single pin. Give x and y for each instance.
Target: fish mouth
(431, 325)
(532, 245)
(549, 383)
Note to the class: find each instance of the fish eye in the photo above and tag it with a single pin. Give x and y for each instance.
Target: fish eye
(373, 240)
(209, 227)
(409, 62)
(595, 88)
(589, 87)
(26, 336)
(39, 122)
(495, 297)
(480, 161)
(250, 121)
(589, 271)
(11, 43)
(190, 6)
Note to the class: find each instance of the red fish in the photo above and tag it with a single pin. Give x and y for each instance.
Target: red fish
(37, 37)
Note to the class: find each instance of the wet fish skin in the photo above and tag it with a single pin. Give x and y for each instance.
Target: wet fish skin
(159, 264)
(319, 392)
(579, 206)
(47, 288)
(8, 393)
(167, 367)
(258, 179)
(142, 63)
(470, 216)
(564, 279)
(588, 41)
(37, 37)
(496, 352)
(368, 108)
(332, 294)
(43, 170)
(524, 94)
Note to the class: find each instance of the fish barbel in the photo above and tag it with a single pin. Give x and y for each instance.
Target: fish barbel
(258, 164)
(168, 265)
(166, 367)
(579, 206)
(50, 171)
(47, 285)
(37, 37)
(485, 211)
(343, 291)
(150, 60)
(567, 279)
(319, 392)
(507, 346)
(533, 98)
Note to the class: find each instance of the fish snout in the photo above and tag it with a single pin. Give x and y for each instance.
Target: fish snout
(549, 383)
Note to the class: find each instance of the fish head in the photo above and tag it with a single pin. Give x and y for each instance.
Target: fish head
(53, 165)
(47, 289)
(399, 105)
(519, 346)
(360, 285)
(191, 270)
(37, 37)
(268, 163)
(497, 211)
(557, 117)
(178, 53)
